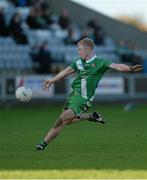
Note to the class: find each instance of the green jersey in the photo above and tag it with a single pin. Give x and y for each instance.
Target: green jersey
(88, 74)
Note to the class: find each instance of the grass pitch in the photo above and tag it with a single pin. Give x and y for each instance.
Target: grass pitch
(117, 149)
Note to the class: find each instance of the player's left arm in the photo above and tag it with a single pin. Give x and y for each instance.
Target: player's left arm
(126, 68)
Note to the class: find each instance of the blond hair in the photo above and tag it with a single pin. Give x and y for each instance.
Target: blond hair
(87, 42)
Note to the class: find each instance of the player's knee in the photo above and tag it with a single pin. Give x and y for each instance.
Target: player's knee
(59, 122)
(67, 115)
(64, 119)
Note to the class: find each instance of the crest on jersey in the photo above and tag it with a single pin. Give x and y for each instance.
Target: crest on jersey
(93, 65)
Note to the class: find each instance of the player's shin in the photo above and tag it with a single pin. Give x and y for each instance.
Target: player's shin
(82, 117)
(85, 116)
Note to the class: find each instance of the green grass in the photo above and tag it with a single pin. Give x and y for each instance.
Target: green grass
(83, 150)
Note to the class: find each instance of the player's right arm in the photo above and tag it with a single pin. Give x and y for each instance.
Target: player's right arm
(47, 83)
(126, 68)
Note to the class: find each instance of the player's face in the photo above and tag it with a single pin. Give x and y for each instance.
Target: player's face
(83, 51)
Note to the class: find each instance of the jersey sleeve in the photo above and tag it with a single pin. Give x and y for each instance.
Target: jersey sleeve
(74, 66)
(107, 62)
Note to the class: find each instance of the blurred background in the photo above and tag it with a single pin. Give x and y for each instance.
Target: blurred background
(38, 39)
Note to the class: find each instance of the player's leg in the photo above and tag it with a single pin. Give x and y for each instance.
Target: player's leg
(80, 106)
(65, 118)
(82, 117)
(92, 116)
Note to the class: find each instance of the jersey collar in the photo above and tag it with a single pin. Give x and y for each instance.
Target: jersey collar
(90, 60)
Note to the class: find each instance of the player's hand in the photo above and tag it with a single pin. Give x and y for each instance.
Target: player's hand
(136, 68)
(45, 85)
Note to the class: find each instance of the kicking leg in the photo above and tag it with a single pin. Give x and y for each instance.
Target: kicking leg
(82, 117)
(94, 117)
(65, 118)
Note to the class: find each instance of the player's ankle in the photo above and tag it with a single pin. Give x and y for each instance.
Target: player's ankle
(44, 143)
(90, 116)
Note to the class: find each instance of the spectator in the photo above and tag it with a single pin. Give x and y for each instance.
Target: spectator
(38, 18)
(98, 32)
(16, 30)
(44, 5)
(43, 23)
(73, 35)
(47, 17)
(98, 37)
(21, 3)
(3, 27)
(42, 57)
(31, 20)
(64, 19)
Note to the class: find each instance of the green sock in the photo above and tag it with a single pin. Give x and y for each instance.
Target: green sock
(44, 143)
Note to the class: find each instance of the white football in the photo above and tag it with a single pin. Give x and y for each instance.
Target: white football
(23, 94)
